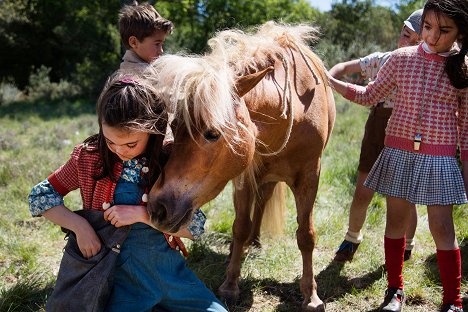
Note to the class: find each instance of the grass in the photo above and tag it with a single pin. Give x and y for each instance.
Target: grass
(36, 138)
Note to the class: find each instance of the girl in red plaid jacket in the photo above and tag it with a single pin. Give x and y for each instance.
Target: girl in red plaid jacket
(114, 170)
(429, 121)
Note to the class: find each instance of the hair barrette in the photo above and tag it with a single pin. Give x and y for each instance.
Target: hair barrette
(128, 80)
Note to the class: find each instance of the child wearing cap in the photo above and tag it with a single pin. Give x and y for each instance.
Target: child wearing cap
(373, 140)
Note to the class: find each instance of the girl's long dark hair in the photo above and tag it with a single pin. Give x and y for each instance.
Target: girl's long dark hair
(457, 10)
(131, 103)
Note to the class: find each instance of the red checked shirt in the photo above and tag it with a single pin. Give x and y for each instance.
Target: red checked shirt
(425, 103)
(78, 172)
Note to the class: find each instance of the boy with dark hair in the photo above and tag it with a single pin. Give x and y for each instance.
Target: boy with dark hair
(143, 32)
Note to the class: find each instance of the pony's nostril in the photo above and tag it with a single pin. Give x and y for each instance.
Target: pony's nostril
(158, 213)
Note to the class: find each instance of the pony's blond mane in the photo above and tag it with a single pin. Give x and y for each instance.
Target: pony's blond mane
(257, 49)
(200, 90)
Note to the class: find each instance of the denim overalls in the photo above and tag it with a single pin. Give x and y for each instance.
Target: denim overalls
(149, 275)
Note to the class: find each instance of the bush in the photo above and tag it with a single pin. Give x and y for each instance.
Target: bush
(9, 93)
(40, 86)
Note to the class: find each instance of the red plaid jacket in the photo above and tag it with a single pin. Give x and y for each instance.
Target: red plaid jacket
(78, 172)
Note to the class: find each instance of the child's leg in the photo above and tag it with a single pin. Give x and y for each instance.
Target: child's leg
(410, 232)
(448, 254)
(357, 215)
(184, 291)
(361, 200)
(398, 215)
(413, 223)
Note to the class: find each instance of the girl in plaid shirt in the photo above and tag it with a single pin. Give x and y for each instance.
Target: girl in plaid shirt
(418, 164)
(114, 170)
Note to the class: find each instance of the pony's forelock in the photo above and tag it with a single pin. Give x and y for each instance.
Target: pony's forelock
(197, 92)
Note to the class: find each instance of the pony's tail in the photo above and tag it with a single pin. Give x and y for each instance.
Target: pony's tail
(274, 214)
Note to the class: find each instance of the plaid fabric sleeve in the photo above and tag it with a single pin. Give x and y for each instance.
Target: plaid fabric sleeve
(197, 226)
(43, 196)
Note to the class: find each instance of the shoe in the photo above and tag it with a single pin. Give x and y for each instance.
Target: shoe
(407, 255)
(394, 299)
(346, 251)
(450, 308)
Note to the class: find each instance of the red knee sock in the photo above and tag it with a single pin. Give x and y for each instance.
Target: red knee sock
(450, 275)
(394, 253)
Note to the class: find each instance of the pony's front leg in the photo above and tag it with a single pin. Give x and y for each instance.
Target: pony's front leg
(305, 191)
(243, 199)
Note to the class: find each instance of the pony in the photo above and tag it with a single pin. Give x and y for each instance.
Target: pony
(257, 109)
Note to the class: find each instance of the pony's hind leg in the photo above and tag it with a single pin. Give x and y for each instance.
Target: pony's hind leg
(243, 199)
(305, 192)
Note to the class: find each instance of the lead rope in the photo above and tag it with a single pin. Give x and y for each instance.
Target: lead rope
(306, 60)
(286, 91)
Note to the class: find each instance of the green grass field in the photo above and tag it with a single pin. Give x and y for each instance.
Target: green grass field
(36, 138)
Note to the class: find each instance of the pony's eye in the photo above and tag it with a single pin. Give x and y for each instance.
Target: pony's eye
(212, 135)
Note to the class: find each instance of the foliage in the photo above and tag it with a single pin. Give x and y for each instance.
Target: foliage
(356, 28)
(9, 92)
(40, 86)
(79, 42)
(61, 35)
(406, 7)
(197, 20)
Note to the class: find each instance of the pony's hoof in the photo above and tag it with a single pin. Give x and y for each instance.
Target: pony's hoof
(230, 295)
(313, 306)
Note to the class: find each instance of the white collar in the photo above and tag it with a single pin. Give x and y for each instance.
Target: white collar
(444, 54)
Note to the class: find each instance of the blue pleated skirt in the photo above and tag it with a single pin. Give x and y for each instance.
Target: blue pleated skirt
(418, 178)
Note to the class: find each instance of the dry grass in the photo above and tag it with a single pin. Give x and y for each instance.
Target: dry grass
(34, 140)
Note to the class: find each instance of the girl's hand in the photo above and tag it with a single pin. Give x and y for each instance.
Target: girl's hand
(121, 215)
(88, 241)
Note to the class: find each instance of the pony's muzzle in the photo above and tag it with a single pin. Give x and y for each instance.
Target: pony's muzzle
(168, 216)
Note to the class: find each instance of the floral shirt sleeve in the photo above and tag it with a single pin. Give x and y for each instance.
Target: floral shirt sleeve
(371, 64)
(43, 196)
(197, 226)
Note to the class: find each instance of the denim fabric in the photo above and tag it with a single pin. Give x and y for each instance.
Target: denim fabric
(127, 193)
(149, 275)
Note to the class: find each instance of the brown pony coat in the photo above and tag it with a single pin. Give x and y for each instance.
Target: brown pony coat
(221, 136)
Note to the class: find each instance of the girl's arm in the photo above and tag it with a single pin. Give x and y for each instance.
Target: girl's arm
(45, 201)
(121, 215)
(375, 91)
(340, 86)
(86, 237)
(346, 68)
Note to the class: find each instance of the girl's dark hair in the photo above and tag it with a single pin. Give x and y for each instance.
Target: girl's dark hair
(457, 10)
(130, 103)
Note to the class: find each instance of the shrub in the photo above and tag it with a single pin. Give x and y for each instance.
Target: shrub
(40, 86)
(9, 92)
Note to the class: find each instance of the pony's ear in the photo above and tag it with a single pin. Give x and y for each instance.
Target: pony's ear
(246, 83)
